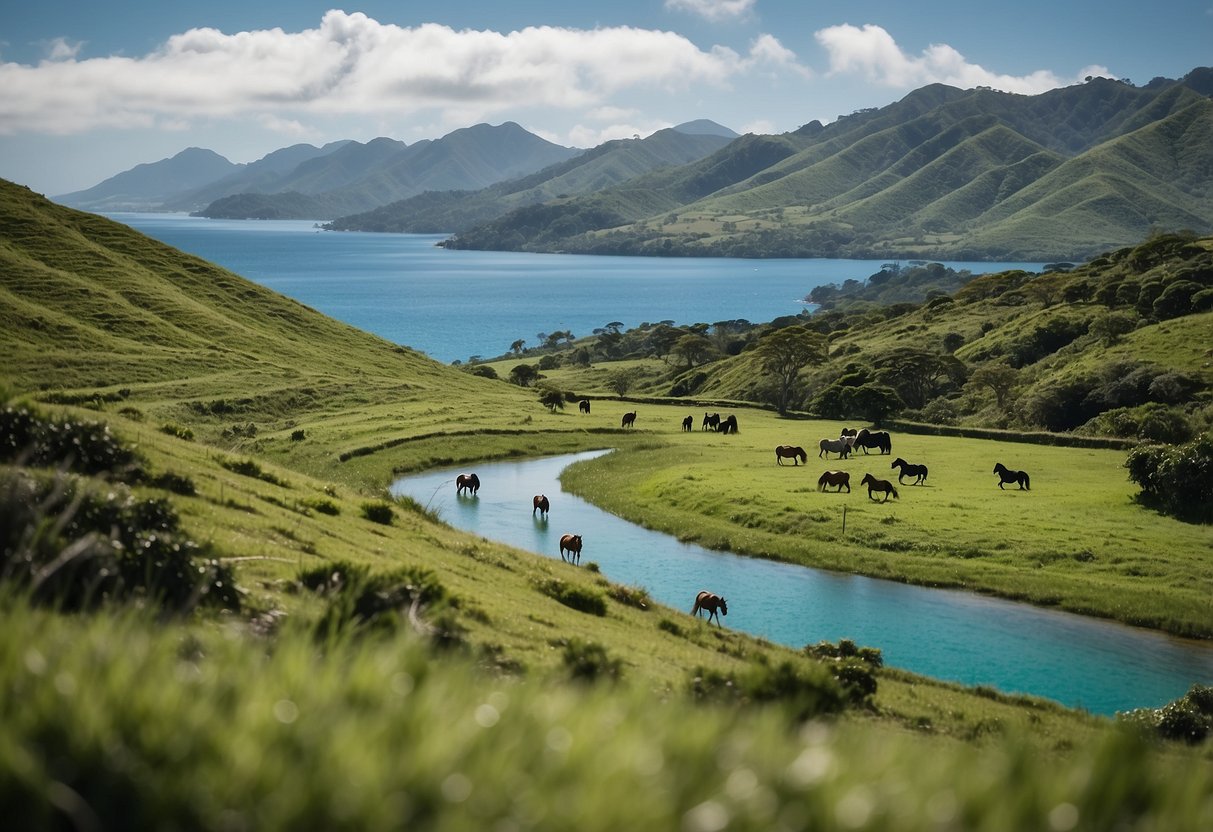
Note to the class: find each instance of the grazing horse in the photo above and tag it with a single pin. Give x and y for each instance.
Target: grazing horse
(728, 425)
(712, 603)
(584, 406)
(874, 439)
(572, 544)
(629, 419)
(688, 422)
(710, 420)
(842, 447)
(908, 470)
(835, 478)
(540, 504)
(469, 481)
(1005, 474)
(874, 484)
(797, 453)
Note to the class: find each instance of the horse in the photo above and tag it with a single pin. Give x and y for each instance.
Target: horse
(572, 544)
(539, 503)
(797, 453)
(710, 420)
(845, 432)
(874, 439)
(1005, 474)
(835, 478)
(874, 484)
(584, 406)
(469, 481)
(688, 423)
(629, 419)
(728, 425)
(712, 603)
(842, 447)
(908, 470)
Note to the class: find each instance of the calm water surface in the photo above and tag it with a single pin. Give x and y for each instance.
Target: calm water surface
(964, 637)
(456, 304)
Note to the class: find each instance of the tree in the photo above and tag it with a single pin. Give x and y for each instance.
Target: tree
(874, 402)
(1110, 326)
(551, 398)
(919, 375)
(999, 378)
(621, 381)
(662, 339)
(784, 353)
(524, 375)
(517, 346)
(693, 349)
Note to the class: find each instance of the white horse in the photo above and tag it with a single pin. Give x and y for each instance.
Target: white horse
(842, 447)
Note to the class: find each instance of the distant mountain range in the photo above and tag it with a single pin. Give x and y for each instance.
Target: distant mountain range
(944, 173)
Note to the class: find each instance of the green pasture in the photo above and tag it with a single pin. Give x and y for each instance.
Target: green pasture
(1076, 539)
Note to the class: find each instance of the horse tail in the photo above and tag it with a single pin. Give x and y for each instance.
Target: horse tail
(1027, 481)
(894, 490)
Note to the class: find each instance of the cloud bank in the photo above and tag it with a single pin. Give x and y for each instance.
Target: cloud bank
(713, 10)
(352, 64)
(871, 51)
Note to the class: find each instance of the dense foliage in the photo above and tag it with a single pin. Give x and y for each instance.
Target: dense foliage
(1177, 479)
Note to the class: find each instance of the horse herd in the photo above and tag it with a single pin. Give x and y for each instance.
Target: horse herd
(849, 439)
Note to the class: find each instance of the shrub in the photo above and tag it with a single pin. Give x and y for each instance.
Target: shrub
(298, 435)
(250, 468)
(632, 596)
(588, 661)
(176, 483)
(582, 599)
(362, 601)
(29, 437)
(1189, 718)
(75, 548)
(378, 513)
(807, 691)
(174, 429)
(1178, 480)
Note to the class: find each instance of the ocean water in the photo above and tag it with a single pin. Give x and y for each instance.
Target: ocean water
(453, 305)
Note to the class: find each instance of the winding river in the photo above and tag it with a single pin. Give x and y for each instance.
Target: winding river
(1096, 665)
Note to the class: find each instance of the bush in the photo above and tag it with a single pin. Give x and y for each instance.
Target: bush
(250, 468)
(365, 602)
(588, 661)
(298, 435)
(378, 513)
(582, 599)
(806, 691)
(75, 548)
(1177, 480)
(174, 429)
(1189, 718)
(30, 438)
(176, 483)
(322, 505)
(632, 596)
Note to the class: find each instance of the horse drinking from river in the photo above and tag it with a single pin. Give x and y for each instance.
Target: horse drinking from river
(469, 481)
(540, 503)
(908, 470)
(1005, 475)
(795, 452)
(712, 603)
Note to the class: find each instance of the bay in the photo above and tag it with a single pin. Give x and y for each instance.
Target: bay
(453, 305)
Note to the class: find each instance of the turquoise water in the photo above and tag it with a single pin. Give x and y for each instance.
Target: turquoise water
(972, 639)
(456, 304)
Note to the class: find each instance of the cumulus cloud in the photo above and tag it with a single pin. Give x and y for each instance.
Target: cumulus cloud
(352, 64)
(713, 9)
(871, 51)
(61, 49)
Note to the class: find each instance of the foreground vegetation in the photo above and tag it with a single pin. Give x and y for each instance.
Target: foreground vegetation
(373, 667)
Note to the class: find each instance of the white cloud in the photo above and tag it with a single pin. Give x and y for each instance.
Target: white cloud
(713, 9)
(60, 49)
(761, 127)
(583, 136)
(871, 51)
(767, 50)
(352, 64)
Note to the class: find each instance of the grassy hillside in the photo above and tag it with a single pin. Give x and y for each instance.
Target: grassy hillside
(270, 432)
(944, 173)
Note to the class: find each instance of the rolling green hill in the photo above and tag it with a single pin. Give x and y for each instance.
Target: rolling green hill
(943, 173)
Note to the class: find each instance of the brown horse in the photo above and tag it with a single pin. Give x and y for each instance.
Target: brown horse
(783, 452)
(1005, 474)
(539, 503)
(835, 478)
(584, 405)
(874, 484)
(629, 419)
(570, 543)
(469, 481)
(688, 423)
(712, 603)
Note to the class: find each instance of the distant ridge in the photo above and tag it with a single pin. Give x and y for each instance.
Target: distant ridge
(148, 186)
(705, 127)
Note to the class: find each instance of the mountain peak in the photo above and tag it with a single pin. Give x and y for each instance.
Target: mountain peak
(705, 127)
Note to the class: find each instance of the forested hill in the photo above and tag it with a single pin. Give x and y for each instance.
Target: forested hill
(943, 173)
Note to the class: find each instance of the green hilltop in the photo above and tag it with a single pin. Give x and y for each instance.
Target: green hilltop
(944, 174)
(374, 668)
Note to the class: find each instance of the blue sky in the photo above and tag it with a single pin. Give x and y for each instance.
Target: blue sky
(89, 89)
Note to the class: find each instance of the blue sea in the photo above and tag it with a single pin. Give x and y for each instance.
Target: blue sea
(453, 305)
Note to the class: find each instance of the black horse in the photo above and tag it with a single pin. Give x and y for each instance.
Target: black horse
(584, 406)
(874, 439)
(688, 423)
(908, 470)
(728, 425)
(1006, 475)
(711, 421)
